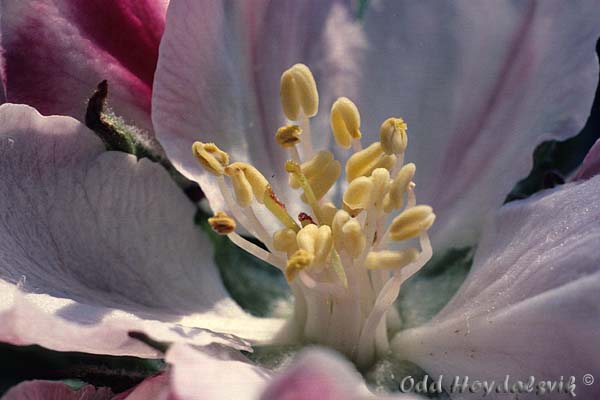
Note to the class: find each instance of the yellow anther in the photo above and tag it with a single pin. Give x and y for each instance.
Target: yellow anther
(316, 240)
(358, 193)
(285, 240)
(222, 223)
(412, 222)
(387, 162)
(391, 259)
(321, 171)
(307, 237)
(288, 136)
(381, 184)
(345, 122)
(258, 182)
(211, 157)
(295, 169)
(300, 260)
(321, 183)
(277, 208)
(363, 162)
(398, 188)
(299, 92)
(241, 186)
(353, 212)
(337, 225)
(221, 156)
(328, 211)
(353, 238)
(393, 136)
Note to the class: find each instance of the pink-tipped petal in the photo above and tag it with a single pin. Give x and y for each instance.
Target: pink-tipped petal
(324, 375)
(591, 164)
(480, 85)
(48, 390)
(57, 51)
(153, 388)
(218, 78)
(102, 244)
(529, 306)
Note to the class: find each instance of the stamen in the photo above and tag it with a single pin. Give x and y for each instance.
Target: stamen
(322, 171)
(345, 122)
(358, 193)
(353, 238)
(412, 223)
(294, 169)
(211, 157)
(317, 241)
(248, 220)
(391, 259)
(241, 186)
(299, 92)
(328, 211)
(299, 261)
(222, 223)
(288, 136)
(393, 136)
(398, 187)
(285, 240)
(277, 208)
(257, 181)
(347, 279)
(364, 162)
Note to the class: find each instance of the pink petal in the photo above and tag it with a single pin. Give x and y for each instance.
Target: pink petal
(153, 388)
(480, 85)
(591, 164)
(530, 304)
(105, 243)
(57, 51)
(48, 390)
(218, 77)
(321, 374)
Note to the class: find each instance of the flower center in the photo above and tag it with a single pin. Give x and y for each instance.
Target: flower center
(337, 259)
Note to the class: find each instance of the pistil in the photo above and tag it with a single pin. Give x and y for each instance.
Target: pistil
(338, 259)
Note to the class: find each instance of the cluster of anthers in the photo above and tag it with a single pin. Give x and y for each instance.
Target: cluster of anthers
(336, 260)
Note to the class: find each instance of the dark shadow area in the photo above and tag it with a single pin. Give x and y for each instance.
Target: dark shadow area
(21, 363)
(554, 160)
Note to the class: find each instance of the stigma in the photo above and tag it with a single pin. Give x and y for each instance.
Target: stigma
(345, 259)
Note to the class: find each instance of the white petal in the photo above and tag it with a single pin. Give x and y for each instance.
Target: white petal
(106, 232)
(214, 373)
(529, 305)
(480, 85)
(218, 78)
